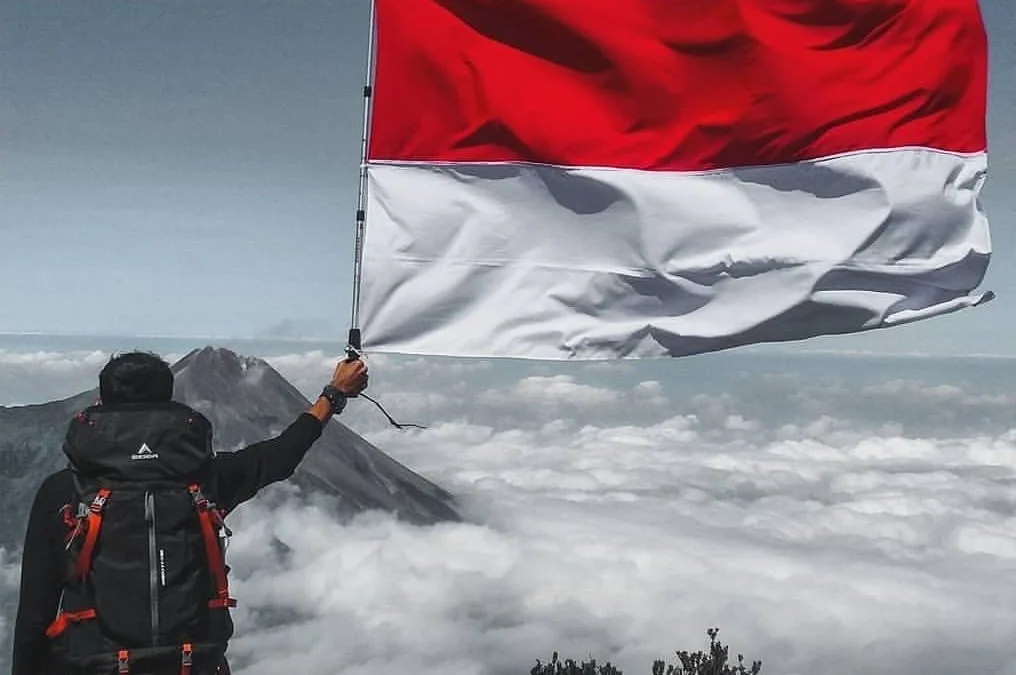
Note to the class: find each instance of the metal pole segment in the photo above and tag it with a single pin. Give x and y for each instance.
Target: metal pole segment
(361, 206)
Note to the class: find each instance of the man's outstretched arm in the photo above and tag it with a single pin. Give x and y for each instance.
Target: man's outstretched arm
(243, 473)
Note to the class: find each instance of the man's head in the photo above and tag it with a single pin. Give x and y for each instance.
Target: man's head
(135, 377)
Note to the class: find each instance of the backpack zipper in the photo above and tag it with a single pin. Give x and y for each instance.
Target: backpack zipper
(153, 565)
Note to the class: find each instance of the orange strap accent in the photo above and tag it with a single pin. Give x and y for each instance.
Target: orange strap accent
(186, 659)
(64, 619)
(69, 521)
(219, 603)
(212, 551)
(84, 564)
(123, 662)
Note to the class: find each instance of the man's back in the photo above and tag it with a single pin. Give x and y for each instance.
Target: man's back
(124, 462)
(238, 477)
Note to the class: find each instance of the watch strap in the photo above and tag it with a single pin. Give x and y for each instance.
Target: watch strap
(335, 397)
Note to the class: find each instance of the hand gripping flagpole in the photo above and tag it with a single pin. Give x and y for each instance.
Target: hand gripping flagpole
(354, 344)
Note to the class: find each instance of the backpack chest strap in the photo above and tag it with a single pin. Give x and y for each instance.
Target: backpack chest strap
(65, 619)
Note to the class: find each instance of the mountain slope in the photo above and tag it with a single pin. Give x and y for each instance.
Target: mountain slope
(246, 401)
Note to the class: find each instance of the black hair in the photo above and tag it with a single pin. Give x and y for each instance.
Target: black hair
(135, 377)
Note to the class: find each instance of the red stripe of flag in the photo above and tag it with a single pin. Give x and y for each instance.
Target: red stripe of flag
(675, 84)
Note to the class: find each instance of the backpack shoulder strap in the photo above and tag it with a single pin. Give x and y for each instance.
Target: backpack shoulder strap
(211, 523)
(93, 524)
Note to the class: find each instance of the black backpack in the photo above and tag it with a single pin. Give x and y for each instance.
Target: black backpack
(146, 586)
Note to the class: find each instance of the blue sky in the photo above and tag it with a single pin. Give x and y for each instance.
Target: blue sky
(190, 168)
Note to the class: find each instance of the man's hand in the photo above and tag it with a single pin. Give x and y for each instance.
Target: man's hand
(350, 377)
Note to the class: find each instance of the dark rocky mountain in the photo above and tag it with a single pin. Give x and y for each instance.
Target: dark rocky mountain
(246, 401)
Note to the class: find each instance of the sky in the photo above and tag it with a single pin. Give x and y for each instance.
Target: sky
(190, 168)
(833, 514)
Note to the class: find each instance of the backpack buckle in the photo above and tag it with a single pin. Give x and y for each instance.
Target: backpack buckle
(123, 662)
(99, 503)
(198, 496)
(200, 500)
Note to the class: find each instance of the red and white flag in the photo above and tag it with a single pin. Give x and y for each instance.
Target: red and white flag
(638, 178)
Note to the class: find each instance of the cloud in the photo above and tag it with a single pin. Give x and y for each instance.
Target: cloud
(948, 394)
(41, 376)
(30, 377)
(10, 579)
(551, 396)
(819, 550)
(308, 371)
(877, 555)
(766, 392)
(555, 392)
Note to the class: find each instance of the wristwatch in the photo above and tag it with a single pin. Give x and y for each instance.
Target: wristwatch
(335, 397)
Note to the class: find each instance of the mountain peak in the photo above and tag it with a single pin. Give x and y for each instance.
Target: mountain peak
(210, 355)
(215, 359)
(242, 396)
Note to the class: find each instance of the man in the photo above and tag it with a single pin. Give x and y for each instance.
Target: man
(129, 454)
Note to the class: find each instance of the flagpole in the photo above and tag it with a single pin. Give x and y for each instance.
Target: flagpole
(361, 205)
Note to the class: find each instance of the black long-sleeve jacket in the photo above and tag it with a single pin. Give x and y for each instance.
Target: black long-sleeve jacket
(240, 476)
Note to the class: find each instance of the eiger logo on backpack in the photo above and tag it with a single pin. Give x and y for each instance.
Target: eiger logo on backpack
(145, 452)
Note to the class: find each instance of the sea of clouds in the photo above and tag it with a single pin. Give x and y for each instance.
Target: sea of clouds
(831, 515)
